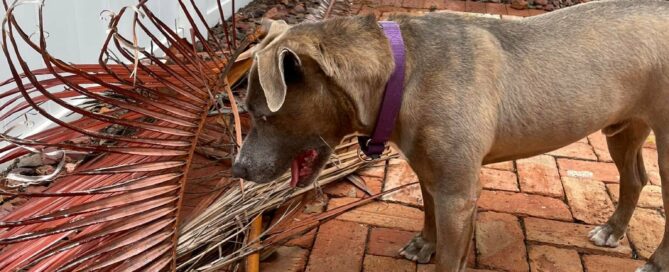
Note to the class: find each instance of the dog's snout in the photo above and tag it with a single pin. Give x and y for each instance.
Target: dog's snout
(239, 171)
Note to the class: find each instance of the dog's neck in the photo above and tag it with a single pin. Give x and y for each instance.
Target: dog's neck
(374, 145)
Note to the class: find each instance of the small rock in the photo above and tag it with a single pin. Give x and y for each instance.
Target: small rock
(257, 13)
(276, 13)
(549, 7)
(69, 167)
(243, 26)
(299, 8)
(519, 4)
(541, 2)
(291, 20)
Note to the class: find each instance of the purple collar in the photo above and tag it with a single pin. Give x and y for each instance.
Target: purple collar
(374, 146)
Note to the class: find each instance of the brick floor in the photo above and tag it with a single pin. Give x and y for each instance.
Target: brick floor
(588, 200)
(549, 258)
(534, 213)
(645, 231)
(540, 175)
(500, 242)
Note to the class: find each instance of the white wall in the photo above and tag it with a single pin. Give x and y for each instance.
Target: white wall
(77, 32)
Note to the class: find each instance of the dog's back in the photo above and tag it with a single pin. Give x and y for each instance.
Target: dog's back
(567, 73)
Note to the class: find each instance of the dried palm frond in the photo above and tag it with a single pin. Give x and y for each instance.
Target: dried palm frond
(119, 204)
(230, 215)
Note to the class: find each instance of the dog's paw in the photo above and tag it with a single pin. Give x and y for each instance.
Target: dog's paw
(418, 250)
(603, 236)
(648, 267)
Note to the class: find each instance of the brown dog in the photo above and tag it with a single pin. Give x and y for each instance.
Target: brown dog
(477, 91)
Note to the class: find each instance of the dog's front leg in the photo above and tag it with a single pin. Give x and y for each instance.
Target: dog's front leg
(450, 190)
(455, 215)
(423, 245)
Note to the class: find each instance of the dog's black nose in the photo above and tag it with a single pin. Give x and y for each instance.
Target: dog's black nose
(239, 171)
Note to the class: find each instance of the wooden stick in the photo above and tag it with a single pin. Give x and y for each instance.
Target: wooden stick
(253, 260)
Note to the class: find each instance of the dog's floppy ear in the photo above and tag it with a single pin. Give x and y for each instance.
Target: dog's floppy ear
(271, 73)
(274, 29)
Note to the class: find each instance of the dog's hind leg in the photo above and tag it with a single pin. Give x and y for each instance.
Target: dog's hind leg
(625, 148)
(659, 261)
(422, 246)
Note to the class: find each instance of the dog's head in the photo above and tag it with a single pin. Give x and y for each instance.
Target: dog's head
(308, 87)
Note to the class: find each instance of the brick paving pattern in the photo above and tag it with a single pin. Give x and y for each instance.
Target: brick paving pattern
(534, 213)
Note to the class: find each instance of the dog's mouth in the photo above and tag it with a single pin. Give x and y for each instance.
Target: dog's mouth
(304, 168)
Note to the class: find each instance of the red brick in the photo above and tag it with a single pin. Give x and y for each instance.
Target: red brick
(500, 242)
(426, 268)
(287, 259)
(304, 241)
(518, 12)
(433, 268)
(651, 195)
(377, 170)
(651, 163)
(386, 264)
(381, 214)
(535, 12)
(499, 180)
(599, 263)
(588, 199)
(392, 3)
(455, 5)
(387, 242)
(598, 142)
(570, 235)
(507, 166)
(645, 231)
(345, 188)
(496, 8)
(400, 173)
(477, 7)
(365, 10)
(392, 9)
(339, 246)
(548, 258)
(539, 175)
(424, 4)
(310, 204)
(524, 204)
(606, 172)
(576, 151)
